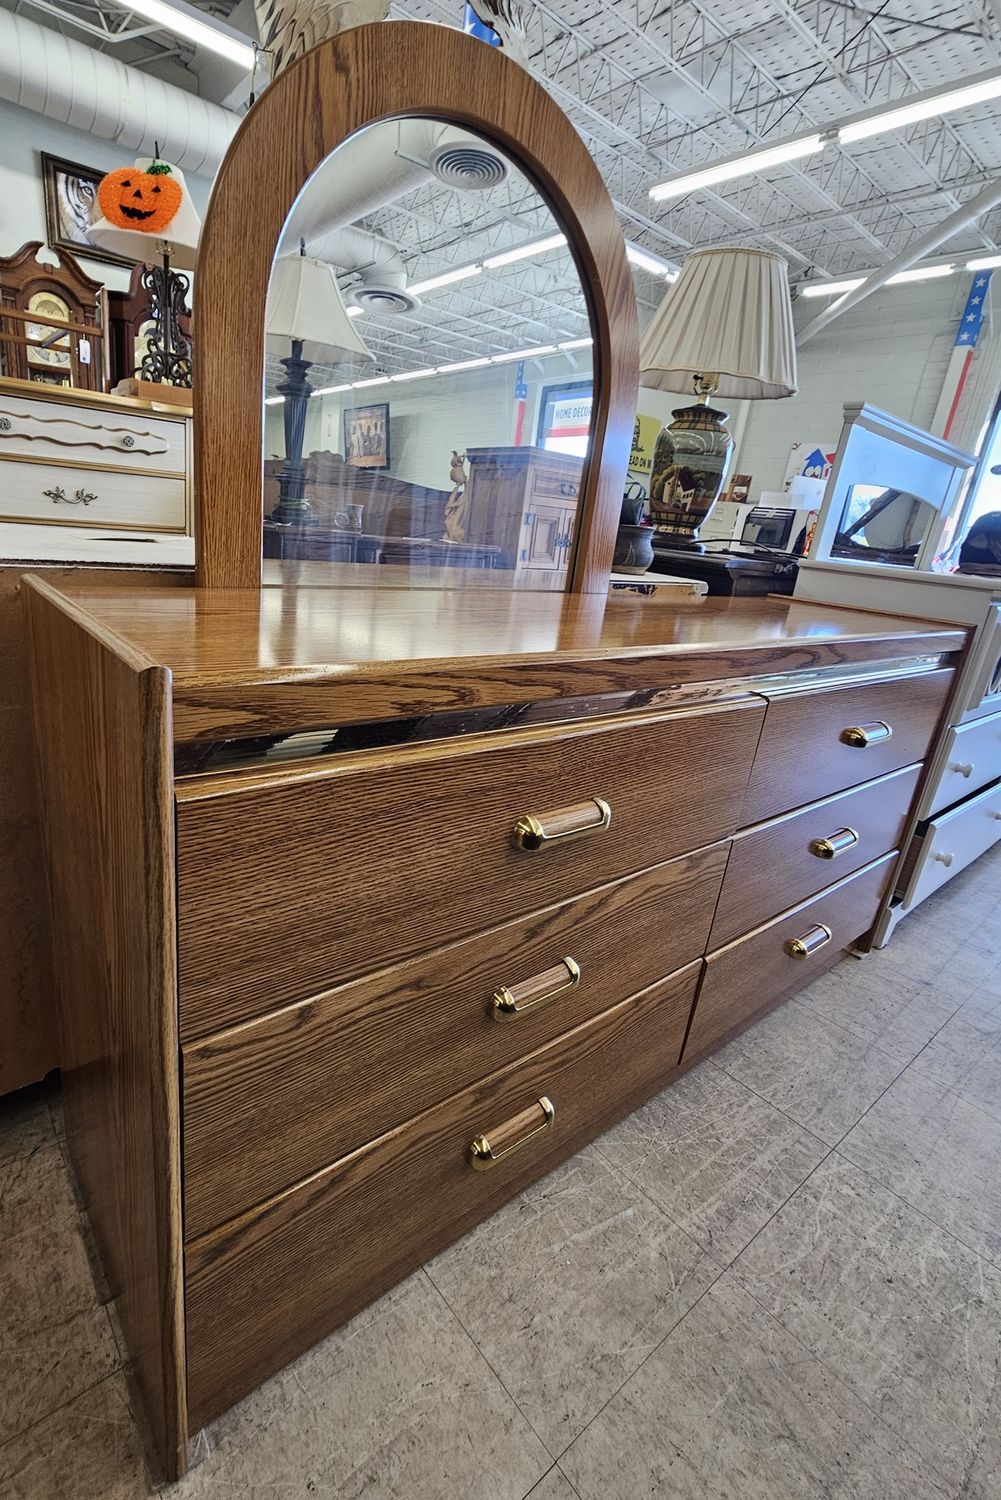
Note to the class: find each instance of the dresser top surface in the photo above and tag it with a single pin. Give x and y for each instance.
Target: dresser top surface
(288, 633)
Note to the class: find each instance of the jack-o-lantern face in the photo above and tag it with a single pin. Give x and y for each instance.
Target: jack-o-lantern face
(132, 199)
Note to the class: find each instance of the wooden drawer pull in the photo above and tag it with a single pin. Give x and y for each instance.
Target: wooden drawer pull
(508, 1004)
(837, 843)
(485, 1153)
(812, 939)
(860, 736)
(531, 833)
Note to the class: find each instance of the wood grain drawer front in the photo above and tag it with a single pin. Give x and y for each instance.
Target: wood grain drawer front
(953, 841)
(86, 435)
(971, 759)
(269, 1102)
(91, 497)
(746, 978)
(264, 1287)
(291, 884)
(553, 484)
(806, 748)
(777, 864)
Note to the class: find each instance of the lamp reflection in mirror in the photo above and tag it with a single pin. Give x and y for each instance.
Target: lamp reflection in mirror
(305, 305)
(726, 326)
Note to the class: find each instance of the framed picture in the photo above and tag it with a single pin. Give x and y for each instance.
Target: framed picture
(70, 191)
(366, 436)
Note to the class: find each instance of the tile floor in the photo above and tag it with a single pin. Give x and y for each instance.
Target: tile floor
(781, 1280)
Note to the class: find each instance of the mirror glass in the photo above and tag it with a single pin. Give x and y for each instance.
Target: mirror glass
(883, 525)
(428, 372)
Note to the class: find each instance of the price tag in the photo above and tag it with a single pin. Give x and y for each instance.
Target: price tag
(83, 351)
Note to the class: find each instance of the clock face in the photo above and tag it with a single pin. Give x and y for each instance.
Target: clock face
(57, 353)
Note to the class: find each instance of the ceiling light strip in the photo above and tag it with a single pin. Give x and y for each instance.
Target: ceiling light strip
(541, 351)
(184, 21)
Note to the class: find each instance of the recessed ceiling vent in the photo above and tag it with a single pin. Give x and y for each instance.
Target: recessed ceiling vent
(468, 165)
(379, 297)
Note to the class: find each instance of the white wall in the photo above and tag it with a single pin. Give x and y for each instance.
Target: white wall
(891, 350)
(23, 137)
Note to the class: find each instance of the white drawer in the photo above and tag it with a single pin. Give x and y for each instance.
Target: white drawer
(971, 758)
(70, 496)
(126, 440)
(954, 841)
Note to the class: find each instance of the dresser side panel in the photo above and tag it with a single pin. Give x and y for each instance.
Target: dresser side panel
(102, 719)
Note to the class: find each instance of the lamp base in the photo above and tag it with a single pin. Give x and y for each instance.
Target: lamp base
(293, 509)
(690, 462)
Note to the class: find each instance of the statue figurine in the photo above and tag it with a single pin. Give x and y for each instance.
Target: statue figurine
(457, 504)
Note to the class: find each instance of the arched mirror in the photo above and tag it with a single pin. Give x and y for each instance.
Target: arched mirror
(415, 329)
(429, 375)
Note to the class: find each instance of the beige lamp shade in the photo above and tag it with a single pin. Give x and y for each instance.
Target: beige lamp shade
(180, 235)
(728, 318)
(304, 302)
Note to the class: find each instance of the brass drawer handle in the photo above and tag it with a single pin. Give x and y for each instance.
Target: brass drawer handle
(860, 736)
(483, 1156)
(562, 823)
(812, 939)
(830, 848)
(508, 1004)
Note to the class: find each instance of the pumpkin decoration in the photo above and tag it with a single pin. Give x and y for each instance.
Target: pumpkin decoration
(147, 201)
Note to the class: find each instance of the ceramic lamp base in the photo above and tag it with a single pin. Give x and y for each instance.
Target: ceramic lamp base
(690, 463)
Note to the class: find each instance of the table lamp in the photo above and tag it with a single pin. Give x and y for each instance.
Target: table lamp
(144, 212)
(726, 325)
(304, 305)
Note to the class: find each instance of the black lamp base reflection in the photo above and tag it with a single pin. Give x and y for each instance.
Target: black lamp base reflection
(293, 509)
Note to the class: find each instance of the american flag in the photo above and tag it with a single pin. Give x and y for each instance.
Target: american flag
(973, 313)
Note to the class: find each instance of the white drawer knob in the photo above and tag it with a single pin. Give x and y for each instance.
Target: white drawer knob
(961, 768)
(944, 859)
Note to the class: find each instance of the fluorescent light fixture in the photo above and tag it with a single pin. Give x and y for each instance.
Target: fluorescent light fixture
(576, 344)
(829, 288)
(984, 263)
(461, 273)
(355, 312)
(738, 166)
(463, 364)
(503, 359)
(332, 390)
(357, 385)
(277, 400)
(525, 252)
(920, 273)
(184, 20)
(926, 108)
(650, 262)
(415, 374)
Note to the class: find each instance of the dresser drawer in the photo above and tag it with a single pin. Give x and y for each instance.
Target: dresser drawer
(952, 841)
(552, 482)
(90, 436)
(971, 759)
(291, 883)
(807, 749)
(746, 978)
(777, 864)
(263, 1288)
(73, 496)
(269, 1102)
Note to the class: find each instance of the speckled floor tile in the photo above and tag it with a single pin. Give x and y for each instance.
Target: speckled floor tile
(939, 1153)
(823, 1077)
(553, 1486)
(397, 1405)
(88, 1450)
(966, 1054)
(897, 1013)
(716, 1158)
(902, 1312)
(569, 1288)
(732, 1407)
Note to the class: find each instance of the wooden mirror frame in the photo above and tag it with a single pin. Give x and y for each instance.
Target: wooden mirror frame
(389, 70)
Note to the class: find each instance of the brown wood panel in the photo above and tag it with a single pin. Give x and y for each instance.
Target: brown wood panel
(269, 1102)
(395, 68)
(264, 1287)
(748, 977)
(103, 726)
(294, 881)
(802, 756)
(773, 865)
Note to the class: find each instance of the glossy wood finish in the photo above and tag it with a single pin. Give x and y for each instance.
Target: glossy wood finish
(269, 1102)
(264, 1287)
(103, 718)
(387, 853)
(748, 977)
(370, 73)
(773, 865)
(802, 754)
